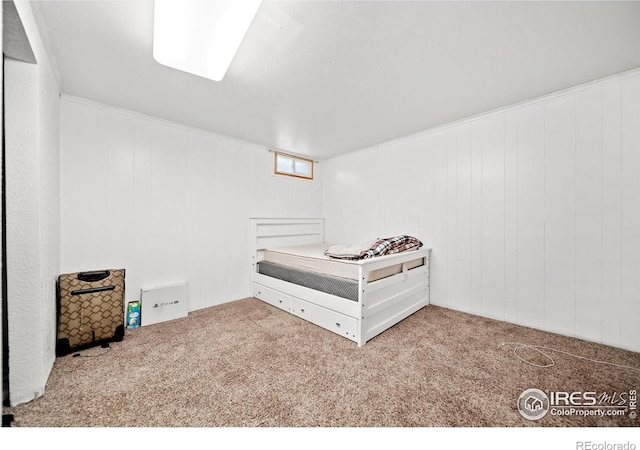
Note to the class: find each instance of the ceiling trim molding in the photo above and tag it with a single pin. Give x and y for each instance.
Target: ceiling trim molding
(150, 118)
(532, 101)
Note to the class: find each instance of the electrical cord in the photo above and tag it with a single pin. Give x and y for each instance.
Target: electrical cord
(107, 350)
(551, 363)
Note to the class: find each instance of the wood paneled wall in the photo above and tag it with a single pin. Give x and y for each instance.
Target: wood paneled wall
(167, 203)
(532, 211)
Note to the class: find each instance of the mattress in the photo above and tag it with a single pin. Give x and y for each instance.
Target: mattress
(311, 258)
(340, 287)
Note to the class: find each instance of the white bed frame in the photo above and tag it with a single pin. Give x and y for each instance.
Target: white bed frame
(381, 304)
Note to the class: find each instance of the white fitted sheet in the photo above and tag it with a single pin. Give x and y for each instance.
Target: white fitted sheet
(312, 258)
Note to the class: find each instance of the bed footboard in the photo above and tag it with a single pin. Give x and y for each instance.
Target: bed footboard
(388, 301)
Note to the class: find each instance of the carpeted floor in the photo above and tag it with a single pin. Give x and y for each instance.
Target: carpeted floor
(247, 364)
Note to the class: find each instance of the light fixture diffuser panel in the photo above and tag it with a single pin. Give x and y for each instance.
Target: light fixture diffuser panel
(201, 36)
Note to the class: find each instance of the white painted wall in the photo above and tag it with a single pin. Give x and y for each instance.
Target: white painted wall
(532, 211)
(32, 200)
(166, 202)
(1, 225)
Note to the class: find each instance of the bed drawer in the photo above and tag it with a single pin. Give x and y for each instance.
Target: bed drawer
(303, 309)
(273, 297)
(336, 322)
(325, 318)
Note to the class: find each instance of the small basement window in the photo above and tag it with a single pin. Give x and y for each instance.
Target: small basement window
(293, 166)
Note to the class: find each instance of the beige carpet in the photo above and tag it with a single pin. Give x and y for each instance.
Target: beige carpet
(247, 364)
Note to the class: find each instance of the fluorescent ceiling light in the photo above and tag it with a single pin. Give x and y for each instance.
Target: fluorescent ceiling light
(201, 36)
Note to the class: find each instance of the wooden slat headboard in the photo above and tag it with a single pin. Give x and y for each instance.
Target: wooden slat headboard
(284, 232)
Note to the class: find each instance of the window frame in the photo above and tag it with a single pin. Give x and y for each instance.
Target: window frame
(295, 158)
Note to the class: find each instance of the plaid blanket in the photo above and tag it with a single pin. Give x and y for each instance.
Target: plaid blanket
(370, 249)
(388, 246)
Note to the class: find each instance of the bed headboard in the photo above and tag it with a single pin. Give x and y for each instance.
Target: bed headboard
(284, 232)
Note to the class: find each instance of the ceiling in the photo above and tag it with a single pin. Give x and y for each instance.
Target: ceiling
(323, 78)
